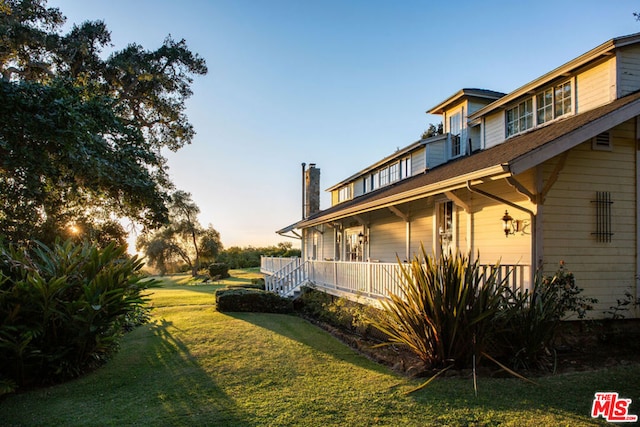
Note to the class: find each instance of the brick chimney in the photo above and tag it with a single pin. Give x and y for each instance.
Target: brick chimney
(312, 190)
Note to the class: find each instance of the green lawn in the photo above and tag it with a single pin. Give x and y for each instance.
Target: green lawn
(195, 366)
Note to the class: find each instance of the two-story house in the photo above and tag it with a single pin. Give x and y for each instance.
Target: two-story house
(544, 174)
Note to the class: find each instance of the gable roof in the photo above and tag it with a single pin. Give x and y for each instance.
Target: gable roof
(603, 51)
(511, 157)
(462, 93)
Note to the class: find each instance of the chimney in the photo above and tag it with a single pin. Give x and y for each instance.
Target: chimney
(312, 190)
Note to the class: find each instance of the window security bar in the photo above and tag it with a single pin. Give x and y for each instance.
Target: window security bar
(603, 204)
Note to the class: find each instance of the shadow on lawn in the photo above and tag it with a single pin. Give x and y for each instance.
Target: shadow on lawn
(304, 332)
(186, 393)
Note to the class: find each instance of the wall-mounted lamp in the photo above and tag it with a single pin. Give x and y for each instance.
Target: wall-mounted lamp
(512, 226)
(362, 238)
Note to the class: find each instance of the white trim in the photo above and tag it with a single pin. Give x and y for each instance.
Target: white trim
(574, 138)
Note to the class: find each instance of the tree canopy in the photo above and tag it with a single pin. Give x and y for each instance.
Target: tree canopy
(182, 240)
(82, 132)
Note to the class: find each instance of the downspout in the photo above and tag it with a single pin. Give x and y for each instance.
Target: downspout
(532, 216)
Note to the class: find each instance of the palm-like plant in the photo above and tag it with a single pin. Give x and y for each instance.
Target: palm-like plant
(445, 310)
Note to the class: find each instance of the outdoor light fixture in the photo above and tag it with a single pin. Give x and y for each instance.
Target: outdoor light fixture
(512, 226)
(361, 238)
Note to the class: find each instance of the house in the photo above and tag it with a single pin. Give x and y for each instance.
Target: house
(544, 174)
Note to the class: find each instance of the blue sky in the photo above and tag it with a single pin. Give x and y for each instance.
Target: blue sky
(338, 83)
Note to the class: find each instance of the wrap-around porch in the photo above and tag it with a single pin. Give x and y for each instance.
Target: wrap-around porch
(366, 282)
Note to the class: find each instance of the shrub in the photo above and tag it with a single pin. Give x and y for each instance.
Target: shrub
(530, 320)
(445, 311)
(63, 308)
(251, 300)
(339, 312)
(219, 270)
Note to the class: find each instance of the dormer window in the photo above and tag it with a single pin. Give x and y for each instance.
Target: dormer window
(544, 103)
(562, 99)
(550, 104)
(520, 117)
(455, 129)
(344, 193)
(405, 167)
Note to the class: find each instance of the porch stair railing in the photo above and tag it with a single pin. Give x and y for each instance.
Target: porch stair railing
(288, 278)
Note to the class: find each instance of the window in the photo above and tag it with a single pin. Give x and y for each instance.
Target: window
(544, 102)
(375, 181)
(394, 172)
(344, 193)
(562, 99)
(549, 105)
(405, 168)
(554, 102)
(455, 129)
(445, 227)
(384, 177)
(520, 117)
(354, 244)
(314, 247)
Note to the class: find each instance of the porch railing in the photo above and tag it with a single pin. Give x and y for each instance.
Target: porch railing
(370, 279)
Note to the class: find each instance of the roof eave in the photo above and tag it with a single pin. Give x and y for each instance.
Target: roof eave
(571, 139)
(493, 172)
(471, 93)
(592, 55)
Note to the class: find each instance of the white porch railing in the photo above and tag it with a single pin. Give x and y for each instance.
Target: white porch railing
(270, 264)
(358, 279)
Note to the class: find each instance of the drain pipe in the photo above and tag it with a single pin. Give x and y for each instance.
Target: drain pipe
(532, 216)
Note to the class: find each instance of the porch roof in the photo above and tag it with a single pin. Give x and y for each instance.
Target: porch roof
(511, 157)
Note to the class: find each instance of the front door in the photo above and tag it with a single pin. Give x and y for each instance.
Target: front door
(354, 244)
(446, 227)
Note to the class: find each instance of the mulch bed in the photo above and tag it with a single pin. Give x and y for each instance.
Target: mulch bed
(603, 345)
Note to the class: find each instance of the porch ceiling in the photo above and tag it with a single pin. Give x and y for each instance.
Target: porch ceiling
(511, 157)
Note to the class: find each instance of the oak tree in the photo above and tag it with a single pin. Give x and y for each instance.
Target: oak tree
(83, 131)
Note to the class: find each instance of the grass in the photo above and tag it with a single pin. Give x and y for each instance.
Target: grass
(195, 366)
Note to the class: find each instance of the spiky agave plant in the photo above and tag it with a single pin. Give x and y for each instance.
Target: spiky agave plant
(444, 311)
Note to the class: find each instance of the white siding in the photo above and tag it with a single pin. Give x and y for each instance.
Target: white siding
(418, 161)
(494, 129)
(327, 251)
(358, 187)
(473, 106)
(422, 227)
(387, 237)
(475, 136)
(595, 86)
(436, 153)
(628, 78)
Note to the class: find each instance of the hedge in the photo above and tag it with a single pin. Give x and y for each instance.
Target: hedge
(251, 300)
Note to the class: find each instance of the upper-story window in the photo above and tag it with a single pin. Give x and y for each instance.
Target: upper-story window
(405, 167)
(562, 99)
(394, 172)
(384, 177)
(455, 129)
(544, 104)
(344, 193)
(520, 117)
(550, 104)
